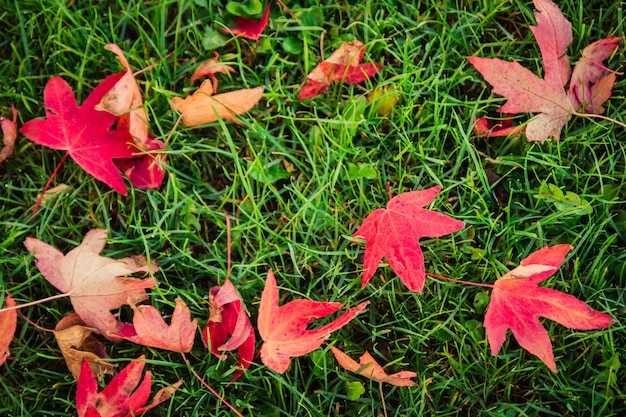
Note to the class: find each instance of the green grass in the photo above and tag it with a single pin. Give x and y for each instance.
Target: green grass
(284, 179)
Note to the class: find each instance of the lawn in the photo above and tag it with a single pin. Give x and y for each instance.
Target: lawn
(298, 177)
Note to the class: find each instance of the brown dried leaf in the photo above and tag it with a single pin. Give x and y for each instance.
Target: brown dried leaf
(77, 342)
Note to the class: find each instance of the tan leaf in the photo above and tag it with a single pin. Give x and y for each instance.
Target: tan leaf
(211, 67)
(9, 134)
(203, 107)
(369, 368)
(77, 342)
(96, 284)
(125, 100)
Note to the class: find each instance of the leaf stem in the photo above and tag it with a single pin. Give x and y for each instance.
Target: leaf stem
(32, 323)
(599, 116)
(228, 243)
(207, 386)
(32, 303)
(45, 188)
(458, 281)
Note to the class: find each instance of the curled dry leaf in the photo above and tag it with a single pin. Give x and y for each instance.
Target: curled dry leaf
(284, 328)
(211, 67)
(342, 66)
(9, 135)
(8, 323)
(203, 107)
(229, 326)
(145, 169)
(149, 328)
(124, 396)
(517, 302)
(369, 368)
(77, 343)
(95, 284)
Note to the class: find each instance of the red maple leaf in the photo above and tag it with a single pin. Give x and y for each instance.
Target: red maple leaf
(123, 397)
(342, 66)
(82, 131)
(284, 328)
(250, 28)
(95, 284)
(229, 326)
(548, 97)
(517, 302)
(149, 328)
(394, 232)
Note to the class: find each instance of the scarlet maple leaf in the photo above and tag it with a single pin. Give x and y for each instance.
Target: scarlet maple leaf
(342, 66)
(149, 328)
(8, 323)
(229, 326)
(249, 28)
(9, 135)
(394, 232)
(122, 397)
(517, 302)
(369, 368)
(527, 93)
(95, 284)
(82, 131)
(284, 329)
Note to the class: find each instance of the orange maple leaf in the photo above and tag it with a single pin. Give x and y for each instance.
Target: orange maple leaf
(284, 328)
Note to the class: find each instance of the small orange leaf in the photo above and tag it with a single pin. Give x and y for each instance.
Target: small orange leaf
(203, 107)
(369, 368)
(8, 323)
(9, 134)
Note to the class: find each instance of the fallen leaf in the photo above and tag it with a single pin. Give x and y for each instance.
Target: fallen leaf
(592, 82)
(95, 284)
(211, 67)
(203, 107)
(528, 93)
(147, 170)
(9, 135)
(125, 101)
(517, 302)
(249, 28)
(284, 328)
(77, 343)
(489, 128)
(82, 131)
(342, 66)
(229, 326)
(394, 233)
(8, 323)
(149, 328)
(124, 396)
(369, 368)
